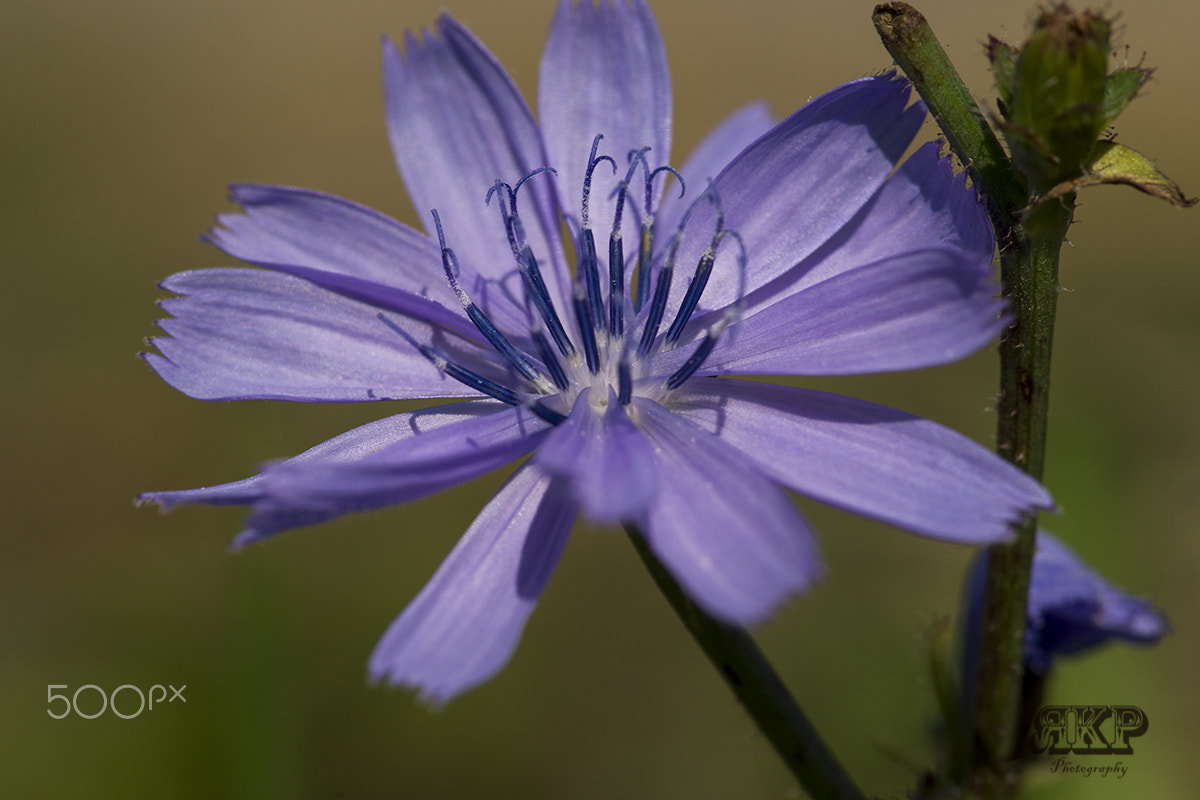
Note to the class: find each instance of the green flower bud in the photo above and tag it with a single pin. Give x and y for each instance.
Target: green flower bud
(1054, 95)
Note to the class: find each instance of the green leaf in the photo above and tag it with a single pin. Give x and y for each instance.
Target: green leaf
(1122, 86)
(1116, 163)
(1003, 58)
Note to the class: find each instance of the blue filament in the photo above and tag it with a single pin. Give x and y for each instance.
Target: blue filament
(646, 243)
(531, 274)
(616, 253)
(589, 264)
(459, 373)
(553, 366)
(699, 281)
(694, 361)
(587, 330)
(473, 379)
(624, 381)
(484, 325)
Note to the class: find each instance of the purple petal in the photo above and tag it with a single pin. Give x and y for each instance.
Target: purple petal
(923, 205)
(604, 459)
(1071, 609)
(867, 459)
(355, 447)
(604, 71)
(241, 334)
(722, 144)
(797, 186)
(905, 312)
(438, 450)
(728, 534)
(285, 227)
(458, 124)
(351, 250)
(464, 625)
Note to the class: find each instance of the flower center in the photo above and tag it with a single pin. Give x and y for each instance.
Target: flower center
(617, 328)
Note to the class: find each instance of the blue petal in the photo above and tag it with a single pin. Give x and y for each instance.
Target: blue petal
(240, 334)
(923, 205)
(439, 449)
(604, 70)
(798, 185)
(485, 434)
(904, 312)
(457, 124)
(726, 532)
(866, 458)
(1072, 608)
(718, 148)
(464, 625)
(285, 227)
(604, 459)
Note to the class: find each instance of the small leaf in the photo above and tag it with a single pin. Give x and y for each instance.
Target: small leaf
(1003, 58)
(1121, 88)
(1116, 163)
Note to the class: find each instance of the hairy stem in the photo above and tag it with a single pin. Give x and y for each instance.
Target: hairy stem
(1029, 243)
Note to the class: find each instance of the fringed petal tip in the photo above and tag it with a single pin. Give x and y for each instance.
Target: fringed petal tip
(434, 697)
(146, 499)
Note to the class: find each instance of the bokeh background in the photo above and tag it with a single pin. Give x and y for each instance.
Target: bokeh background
(123, 120)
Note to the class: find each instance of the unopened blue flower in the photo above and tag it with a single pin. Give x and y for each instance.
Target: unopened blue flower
(812, 251)
(1071, 608)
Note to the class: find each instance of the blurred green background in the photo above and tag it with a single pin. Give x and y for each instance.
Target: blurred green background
(122, 123)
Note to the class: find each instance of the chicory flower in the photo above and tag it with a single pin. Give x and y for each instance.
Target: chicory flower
(802, 248)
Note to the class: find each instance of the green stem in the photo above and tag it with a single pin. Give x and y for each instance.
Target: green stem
(1029, 273)
(1029, 247)
(910, 41)
(751, 677)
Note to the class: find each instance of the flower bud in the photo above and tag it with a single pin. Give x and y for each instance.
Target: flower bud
(1055, 96)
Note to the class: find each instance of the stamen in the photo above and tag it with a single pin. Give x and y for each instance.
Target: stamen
(646, 244)
(587, 329)
(587, 176)
(641, 273)
(659, 304)
(546, 413)
(531, 274)
(616, 284)
(731, 315)
(662, 287)
(484, 325)
(589, 271)
(693, 363)
(616, 253)
(473, 379)
(703, 270)
(589, 264)
(550, 360)
(624, 381)
(460, 374)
